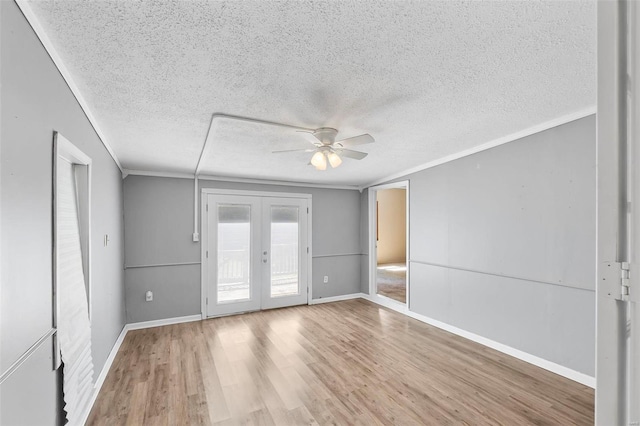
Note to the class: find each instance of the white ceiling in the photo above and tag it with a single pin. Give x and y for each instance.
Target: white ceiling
(426, 79)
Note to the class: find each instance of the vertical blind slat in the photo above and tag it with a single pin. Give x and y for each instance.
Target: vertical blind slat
(74, 329)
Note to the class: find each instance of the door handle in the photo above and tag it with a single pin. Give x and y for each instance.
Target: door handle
(264, 259)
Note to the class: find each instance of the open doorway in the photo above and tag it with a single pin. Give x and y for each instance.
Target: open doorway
(389, 248)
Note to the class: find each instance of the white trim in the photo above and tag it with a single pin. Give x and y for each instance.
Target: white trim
(161, 322)
(244, 193)
(66, 75)
(223, 115)
(112, 356)
(336, 298)
(373, 250)
(26, 355)
(69, 151)
(48, 45)
(280, 182)
(337, 255)
(116, 347)
(103, 374)
(386, 301)
(196, 235)
(176, 175)
(617, 159)
(487, 145)
(161, 265)
(204, 226)
(531, 359)
(64, 150)
(128, 172)
(204, 265)
(310, 254)
(490, 144)
(561, 370)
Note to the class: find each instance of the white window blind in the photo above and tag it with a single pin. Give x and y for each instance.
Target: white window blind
(74, 328)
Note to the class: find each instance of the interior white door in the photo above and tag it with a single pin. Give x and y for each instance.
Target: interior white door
(233, 254)
(256, 253)
(284, 240)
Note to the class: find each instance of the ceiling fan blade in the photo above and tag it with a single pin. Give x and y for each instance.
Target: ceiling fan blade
(356, 155)
(310, 137)
(356, 140)
(293, 150)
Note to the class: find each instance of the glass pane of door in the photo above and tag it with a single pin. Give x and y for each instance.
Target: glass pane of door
(285, 251)
(234, 253)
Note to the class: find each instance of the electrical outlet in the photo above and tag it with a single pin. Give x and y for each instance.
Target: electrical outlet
(326, 279)
(148, 296)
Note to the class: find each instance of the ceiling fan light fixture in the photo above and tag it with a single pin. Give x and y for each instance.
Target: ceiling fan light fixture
(334, 159)
(319, 161)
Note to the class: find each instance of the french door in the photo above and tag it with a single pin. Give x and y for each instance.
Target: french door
(255, 252)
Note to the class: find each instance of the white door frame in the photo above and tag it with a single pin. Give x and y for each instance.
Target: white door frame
(66, 151)
(204, 227)
(373, 252)
(618, 215)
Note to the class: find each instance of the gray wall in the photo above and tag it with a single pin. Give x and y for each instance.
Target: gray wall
(158, 228)
(36, 101)
(502, 244)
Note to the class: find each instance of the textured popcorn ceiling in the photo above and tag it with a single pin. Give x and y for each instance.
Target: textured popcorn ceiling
(426, 79)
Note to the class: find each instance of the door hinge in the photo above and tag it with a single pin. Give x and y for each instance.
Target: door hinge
(614, 281)
(207, 301)
(307, 210)
(307, 249)
(207, 253)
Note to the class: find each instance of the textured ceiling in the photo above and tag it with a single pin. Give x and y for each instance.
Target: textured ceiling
(426, 79)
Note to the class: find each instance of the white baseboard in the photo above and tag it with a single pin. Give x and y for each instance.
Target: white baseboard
(383, 301)
(103, 374)
(563, 371)
(161, 322)
(112, 356)
(116, 346)
(336, 298)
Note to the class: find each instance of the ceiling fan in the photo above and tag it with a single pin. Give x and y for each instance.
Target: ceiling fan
(327, 148)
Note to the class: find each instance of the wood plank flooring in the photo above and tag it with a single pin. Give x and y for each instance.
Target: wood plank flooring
(342, 363)
(391, 281)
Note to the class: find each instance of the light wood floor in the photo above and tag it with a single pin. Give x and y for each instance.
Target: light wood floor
(342, 363)
(392, 283)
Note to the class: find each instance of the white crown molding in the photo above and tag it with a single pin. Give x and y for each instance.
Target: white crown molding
(280, 182)
(127, 172)
(561, 370)
(55, 57)
(176, 175)
(66, 75)
(559, 121)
